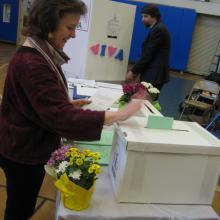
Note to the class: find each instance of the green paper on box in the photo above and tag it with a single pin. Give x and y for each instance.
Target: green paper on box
(159, 122)
(104, 146)
(104, 150)
(106, 139)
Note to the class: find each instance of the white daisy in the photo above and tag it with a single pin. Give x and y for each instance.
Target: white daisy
(147, 85)
(153, 90)
(76, 174)
(62, 167)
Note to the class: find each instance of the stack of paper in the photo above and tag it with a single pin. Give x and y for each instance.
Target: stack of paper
(104, 146)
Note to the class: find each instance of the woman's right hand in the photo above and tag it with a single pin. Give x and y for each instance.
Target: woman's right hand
(123, 114)
(130, 109)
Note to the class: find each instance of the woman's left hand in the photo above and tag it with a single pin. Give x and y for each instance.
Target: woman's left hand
(80, 102)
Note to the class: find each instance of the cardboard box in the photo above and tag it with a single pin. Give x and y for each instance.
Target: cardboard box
(178, 166)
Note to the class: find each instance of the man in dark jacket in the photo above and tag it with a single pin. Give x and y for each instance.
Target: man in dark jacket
(153, 66)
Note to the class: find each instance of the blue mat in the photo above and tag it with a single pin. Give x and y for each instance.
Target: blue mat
(172, 94)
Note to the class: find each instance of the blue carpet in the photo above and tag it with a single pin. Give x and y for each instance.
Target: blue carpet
(172, 94)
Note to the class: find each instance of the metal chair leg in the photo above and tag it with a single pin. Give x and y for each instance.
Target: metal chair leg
(217, 116)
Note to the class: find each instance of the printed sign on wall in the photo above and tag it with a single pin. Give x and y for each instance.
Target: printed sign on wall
(84, 20)
(113, 28)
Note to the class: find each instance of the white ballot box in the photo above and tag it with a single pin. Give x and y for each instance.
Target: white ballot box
(104, 207)
(147, 109)
(177, 166)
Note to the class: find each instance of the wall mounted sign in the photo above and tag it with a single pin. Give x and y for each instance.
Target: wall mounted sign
(83, 24)
(113, 28)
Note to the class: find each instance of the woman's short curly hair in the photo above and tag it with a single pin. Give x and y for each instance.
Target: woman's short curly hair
(45, 14)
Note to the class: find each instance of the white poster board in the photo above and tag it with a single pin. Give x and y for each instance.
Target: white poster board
(101, 52)
(76, 48)
(114, 30)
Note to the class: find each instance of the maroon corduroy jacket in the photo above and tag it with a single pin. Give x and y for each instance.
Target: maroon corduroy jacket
(35, 112)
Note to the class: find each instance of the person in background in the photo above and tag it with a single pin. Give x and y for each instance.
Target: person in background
(36, 110)
(153, 66)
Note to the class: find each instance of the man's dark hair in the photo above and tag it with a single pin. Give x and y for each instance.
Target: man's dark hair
(151, 10)
(45, 14)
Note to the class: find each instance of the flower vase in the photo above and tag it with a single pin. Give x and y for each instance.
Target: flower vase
(121, 104)
(73, 196)
(50, 171)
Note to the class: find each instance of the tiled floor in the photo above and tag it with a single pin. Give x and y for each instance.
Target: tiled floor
(45, 207)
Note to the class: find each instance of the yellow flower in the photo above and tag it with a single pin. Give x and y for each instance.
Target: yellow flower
(79, 161)
(98, 170)
(74, 154)
(82, 156)
(96, 156)
(90, 170)
(73, 149)
(86, 152)
(90, 154)
(93, 166)
(68, 154)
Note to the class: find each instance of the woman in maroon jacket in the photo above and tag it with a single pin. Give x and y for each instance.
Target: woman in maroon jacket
(36, 111)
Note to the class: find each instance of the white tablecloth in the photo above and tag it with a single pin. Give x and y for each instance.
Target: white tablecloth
(104, 207)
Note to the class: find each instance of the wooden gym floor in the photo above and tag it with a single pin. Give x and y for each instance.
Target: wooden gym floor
(45, 207)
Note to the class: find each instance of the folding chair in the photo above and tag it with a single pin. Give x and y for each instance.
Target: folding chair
(202, 100)
(213, 121)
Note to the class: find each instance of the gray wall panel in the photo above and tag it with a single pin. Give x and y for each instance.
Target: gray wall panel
(204, 43)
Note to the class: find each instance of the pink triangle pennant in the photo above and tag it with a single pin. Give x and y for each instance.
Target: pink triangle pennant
(95, 49)
(111, 51)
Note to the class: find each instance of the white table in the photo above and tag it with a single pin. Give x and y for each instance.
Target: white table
(104, 207)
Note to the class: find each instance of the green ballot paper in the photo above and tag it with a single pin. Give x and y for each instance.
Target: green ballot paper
(104, 146)
(159, 122)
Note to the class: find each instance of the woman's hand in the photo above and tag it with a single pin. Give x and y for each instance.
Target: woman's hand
(123, 114)
(130, 109)
(80, 102)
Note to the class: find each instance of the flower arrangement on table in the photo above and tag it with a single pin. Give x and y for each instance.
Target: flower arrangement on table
(75, 173)
(135, 90)
(131, 90)
(154, 94)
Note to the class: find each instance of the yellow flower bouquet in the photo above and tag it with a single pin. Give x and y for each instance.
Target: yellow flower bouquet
(75, 172)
